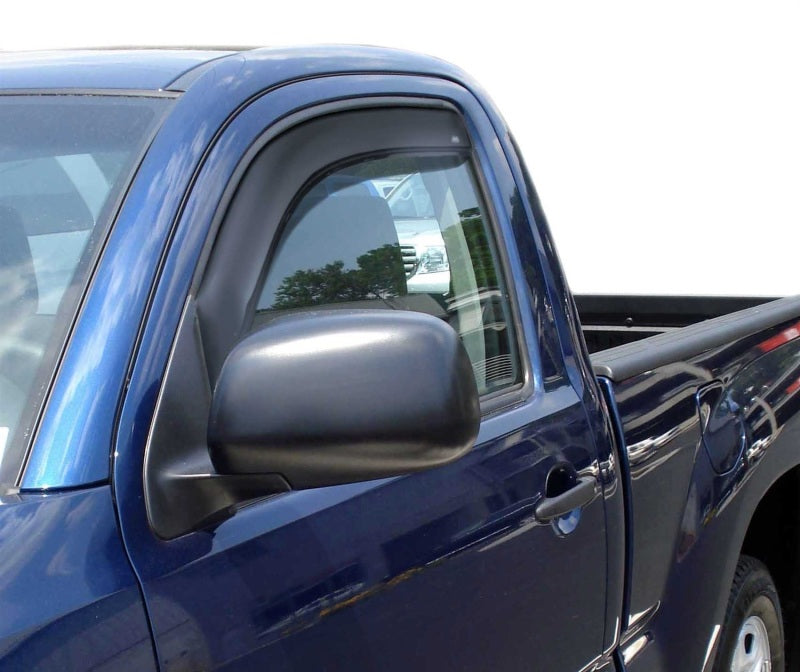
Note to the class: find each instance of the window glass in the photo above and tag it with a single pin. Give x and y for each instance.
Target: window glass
(422, 245)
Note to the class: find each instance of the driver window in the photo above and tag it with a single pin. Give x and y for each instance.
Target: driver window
(400, 232)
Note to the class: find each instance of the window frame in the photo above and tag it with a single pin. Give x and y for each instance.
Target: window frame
(406, 138)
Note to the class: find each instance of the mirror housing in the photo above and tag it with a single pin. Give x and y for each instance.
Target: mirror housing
(338, 396)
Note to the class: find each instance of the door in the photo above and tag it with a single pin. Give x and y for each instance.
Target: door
(380, 204)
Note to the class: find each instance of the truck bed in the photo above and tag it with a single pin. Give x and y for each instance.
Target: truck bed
(671, 344)
(609, 321)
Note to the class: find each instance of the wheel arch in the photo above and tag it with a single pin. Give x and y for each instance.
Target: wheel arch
(773, 536)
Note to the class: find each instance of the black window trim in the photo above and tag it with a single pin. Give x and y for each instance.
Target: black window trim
(491, 403)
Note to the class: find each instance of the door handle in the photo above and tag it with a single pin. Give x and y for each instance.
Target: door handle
(576, 497)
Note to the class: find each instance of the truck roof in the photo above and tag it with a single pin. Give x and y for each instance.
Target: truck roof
(176, 68)
(145, 69)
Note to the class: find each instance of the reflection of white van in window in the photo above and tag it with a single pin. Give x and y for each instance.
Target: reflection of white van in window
(420, 237)
(386, 185)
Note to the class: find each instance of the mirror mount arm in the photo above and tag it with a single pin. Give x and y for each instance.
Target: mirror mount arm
(180, 503)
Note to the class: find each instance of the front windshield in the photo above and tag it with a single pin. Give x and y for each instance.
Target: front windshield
(64, 163)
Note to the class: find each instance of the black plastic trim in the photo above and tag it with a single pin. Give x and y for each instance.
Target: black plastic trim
(576, 497)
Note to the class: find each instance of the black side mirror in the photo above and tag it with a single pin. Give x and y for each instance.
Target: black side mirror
(340, 396)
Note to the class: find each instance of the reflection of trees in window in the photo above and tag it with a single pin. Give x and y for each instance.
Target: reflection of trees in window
(380, 275)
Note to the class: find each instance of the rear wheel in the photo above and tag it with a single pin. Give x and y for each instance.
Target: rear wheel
(752, 636)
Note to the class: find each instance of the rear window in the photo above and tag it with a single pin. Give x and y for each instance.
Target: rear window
(64, 164)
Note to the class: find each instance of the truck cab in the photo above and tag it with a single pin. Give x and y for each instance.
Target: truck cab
(247, 428)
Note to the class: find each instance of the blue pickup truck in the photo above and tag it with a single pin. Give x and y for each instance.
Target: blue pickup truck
(240, 429)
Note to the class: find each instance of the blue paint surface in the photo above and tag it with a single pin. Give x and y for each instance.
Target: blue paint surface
(119, 69)
(70, 600)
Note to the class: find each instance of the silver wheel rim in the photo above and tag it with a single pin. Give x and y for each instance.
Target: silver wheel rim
(752, 648)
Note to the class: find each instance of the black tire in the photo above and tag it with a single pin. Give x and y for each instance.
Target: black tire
(753, 601)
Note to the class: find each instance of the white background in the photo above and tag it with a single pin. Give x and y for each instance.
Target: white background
(663, 137)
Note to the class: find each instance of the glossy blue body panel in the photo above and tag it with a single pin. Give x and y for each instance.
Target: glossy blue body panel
(132, 69)
(689, 520)
(70, 600)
